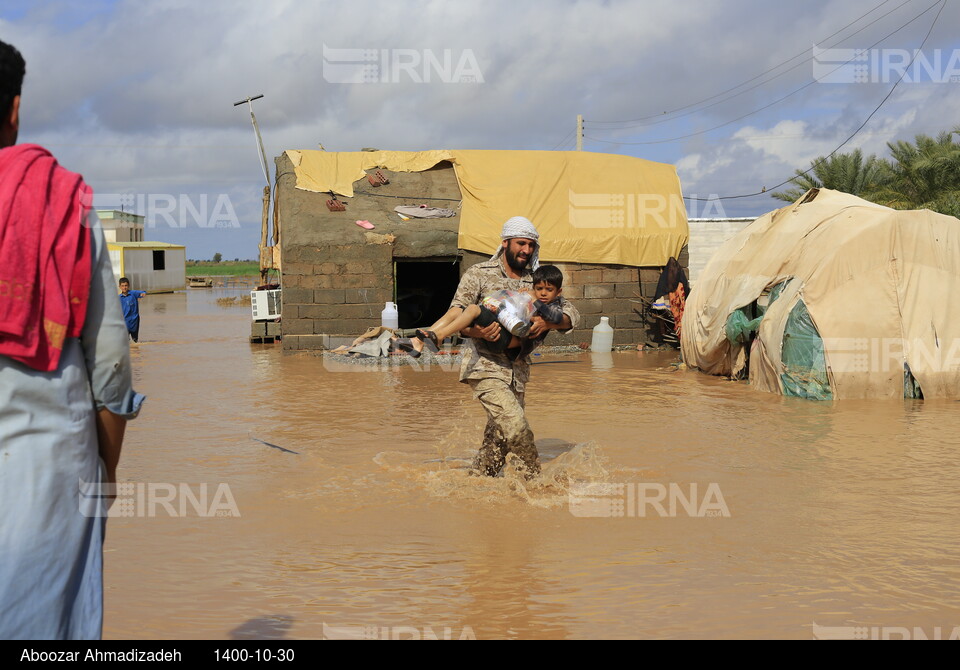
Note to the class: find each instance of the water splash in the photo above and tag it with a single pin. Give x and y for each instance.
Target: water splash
(450, 476)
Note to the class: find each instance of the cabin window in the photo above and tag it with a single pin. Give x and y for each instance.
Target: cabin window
(159, 260)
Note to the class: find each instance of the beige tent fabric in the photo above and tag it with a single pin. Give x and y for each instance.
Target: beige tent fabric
(588, 207)
(878, 284)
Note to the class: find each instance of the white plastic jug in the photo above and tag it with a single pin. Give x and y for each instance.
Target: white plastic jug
(602, 336)
(389, 317)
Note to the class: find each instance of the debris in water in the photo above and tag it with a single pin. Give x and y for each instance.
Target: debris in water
(289, 451)
(235, 300)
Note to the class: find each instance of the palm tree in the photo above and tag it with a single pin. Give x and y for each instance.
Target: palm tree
(924, 175)
(849, 173)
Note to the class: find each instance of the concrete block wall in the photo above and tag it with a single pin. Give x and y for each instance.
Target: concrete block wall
(340, 291)
(333, 290)
(605, 290)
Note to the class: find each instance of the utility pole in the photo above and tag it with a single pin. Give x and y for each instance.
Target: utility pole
(268, 258)
(579, 132)
(256, 129)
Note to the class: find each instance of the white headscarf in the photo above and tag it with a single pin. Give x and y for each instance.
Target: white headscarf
(520, 226)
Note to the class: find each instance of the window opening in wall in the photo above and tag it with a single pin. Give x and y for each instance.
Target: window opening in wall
(424, 289)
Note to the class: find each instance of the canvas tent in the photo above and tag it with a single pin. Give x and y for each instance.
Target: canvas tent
(833, 297)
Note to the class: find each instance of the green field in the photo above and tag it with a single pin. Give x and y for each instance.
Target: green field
(211, 269)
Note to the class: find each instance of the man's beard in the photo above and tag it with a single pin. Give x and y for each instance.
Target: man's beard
(515, 263)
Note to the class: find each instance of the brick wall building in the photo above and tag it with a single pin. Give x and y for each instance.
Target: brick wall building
(336, 277)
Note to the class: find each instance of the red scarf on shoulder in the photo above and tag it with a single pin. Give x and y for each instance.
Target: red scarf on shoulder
(44, 255)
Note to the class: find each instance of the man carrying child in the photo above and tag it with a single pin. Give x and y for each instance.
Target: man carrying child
(499, 380)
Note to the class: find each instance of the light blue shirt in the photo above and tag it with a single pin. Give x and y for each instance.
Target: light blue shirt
(51, 537)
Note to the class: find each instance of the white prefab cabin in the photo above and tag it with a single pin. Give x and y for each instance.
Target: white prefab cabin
(154, 267)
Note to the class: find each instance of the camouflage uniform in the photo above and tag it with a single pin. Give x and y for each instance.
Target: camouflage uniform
(499, 380)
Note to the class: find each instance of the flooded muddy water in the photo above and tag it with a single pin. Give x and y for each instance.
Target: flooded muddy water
(673, 504)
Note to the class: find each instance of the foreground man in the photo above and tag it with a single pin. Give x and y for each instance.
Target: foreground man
(499, 380)
(65, 389)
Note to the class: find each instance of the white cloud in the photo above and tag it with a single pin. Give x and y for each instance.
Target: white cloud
(140, 95)
(694, 168)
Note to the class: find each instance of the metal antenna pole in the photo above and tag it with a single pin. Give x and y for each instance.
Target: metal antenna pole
(256, 128)
(268, 257)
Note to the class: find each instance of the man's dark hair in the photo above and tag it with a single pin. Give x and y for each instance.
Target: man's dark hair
(123, 279)
(549, 274)
(12, 69)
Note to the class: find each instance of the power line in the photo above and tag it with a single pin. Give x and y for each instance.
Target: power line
(778, 100)
(733, 88)
(564, 141)
(790, 136)
(854, 133)
(661, 117)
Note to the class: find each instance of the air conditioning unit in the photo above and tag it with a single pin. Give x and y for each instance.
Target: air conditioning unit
(265, 305)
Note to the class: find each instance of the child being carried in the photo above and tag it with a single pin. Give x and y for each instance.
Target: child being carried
(514, 310)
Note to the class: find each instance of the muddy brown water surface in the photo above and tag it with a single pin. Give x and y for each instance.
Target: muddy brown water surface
(835, 514)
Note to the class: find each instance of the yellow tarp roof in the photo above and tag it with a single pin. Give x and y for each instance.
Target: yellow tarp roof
(588, 207)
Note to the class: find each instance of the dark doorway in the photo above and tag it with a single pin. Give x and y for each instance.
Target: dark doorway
(425, 288)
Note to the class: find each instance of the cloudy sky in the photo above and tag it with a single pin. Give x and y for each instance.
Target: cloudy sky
(138, 94)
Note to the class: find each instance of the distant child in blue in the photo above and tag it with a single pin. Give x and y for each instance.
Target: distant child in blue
(131, 310)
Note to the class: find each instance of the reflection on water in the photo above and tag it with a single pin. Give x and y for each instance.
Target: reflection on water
(601, 360)
(841, 514)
